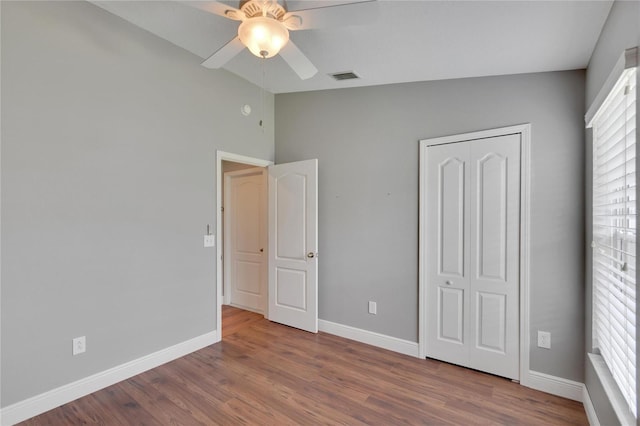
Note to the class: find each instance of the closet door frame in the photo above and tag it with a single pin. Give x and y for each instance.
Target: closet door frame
(525, 137)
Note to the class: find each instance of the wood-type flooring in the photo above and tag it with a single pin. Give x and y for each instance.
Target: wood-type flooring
(263, 373)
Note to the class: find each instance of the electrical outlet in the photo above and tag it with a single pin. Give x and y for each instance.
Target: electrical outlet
(79, 345)
(373, 307)
(544, 339)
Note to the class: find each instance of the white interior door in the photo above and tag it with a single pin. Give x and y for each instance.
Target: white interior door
(293, 244)
(494, 308)
(245, 239)
(472, 227)
(448, 229)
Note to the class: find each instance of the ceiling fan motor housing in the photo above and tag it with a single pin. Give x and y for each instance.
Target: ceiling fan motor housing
(272, 8)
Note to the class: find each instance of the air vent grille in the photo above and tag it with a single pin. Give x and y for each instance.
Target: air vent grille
(348, 75)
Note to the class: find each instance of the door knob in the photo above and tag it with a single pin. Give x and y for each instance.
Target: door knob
(448, 282)
(261, 250)
(311, 255)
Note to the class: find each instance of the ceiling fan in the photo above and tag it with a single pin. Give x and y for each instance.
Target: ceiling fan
(265, 26)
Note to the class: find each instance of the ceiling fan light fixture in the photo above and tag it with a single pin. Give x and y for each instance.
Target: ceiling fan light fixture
(263, 36)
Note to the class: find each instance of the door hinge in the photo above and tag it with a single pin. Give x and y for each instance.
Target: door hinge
(222, 209)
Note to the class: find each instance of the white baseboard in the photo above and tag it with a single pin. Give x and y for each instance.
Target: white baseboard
(39, 404)
(554, 385)
(369, 337)
(589, 408)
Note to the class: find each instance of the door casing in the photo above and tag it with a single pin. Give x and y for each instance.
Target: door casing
(525, 131)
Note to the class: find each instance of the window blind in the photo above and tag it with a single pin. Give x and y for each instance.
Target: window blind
(614, 234)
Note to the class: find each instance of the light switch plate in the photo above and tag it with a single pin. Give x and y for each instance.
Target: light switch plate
(209, 240)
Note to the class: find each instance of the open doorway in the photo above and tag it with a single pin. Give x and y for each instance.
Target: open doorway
(244, 238)
(292, 236)
(241, 234)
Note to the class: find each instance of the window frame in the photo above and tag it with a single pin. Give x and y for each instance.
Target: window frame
(627, 64)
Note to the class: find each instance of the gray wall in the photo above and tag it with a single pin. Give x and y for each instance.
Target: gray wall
(108, 181)
(366, 140)
(621, 31)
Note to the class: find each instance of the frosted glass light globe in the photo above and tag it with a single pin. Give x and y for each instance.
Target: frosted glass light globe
(263, 36)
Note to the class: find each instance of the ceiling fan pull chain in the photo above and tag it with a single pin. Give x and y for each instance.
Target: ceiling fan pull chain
(262, 95)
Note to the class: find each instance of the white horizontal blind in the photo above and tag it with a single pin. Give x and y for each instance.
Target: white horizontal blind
(614, 234)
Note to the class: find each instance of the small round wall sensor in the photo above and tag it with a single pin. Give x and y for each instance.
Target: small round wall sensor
(245, 109)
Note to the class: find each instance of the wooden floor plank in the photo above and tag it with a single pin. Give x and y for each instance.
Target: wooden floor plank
(269, 374)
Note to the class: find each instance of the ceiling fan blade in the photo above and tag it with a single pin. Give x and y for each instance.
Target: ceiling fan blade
(224, 54)
(218, 8)
(343, 15)
(298, 61)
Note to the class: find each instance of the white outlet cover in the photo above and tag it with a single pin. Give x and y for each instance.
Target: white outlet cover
(544, 339)
(79, 345)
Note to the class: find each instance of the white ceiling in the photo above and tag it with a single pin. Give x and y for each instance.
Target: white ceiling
(410, 40)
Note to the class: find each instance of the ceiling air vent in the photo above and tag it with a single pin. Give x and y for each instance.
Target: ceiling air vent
(349, 75)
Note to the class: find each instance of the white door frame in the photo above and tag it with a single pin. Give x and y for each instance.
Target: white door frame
(525, 131)
(237, 158)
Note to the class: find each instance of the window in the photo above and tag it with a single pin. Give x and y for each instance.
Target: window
(614, 233)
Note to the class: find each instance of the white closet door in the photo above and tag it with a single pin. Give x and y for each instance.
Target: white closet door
(495, 252)
(447, 228)
(472, 227)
